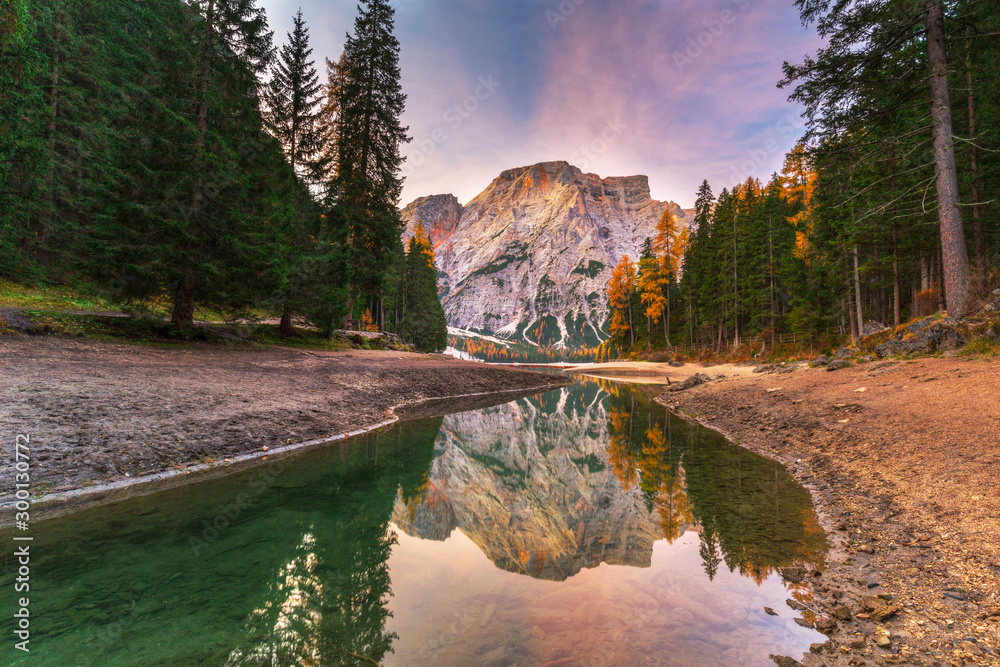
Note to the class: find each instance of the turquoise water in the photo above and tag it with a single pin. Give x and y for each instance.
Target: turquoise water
(583, 526)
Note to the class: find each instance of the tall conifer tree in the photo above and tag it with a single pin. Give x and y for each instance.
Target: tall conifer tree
(294, 99)
(235, 51)
(425, 322)
(370, 134)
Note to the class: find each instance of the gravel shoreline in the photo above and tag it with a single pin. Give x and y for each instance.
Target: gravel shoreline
(902, 460)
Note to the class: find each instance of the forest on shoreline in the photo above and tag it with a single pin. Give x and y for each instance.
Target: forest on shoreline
(166, 154)
(887, 210)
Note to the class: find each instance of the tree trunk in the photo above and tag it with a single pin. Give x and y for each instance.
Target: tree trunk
(349, 314)
(977, 219)
(854, 320)
(857, 294)
(690, 319)
(631, 326)
(770, 271)
(957, 275)
(47, 214)
(286, 328)
(897, 309)
(940, 280)
(666, 322)
(736, 290)
(183, 315)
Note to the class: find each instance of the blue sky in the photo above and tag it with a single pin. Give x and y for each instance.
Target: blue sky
(679, 90)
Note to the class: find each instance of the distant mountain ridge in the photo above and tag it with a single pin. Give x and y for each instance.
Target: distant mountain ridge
(530, 257)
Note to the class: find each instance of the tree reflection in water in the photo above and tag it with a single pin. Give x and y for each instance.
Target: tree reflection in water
(327, 605)
(548, 487)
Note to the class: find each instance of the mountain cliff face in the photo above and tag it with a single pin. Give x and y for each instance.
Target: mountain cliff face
(530, 257)
(531, 485)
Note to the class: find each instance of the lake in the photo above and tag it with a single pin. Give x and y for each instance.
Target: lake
(582, 526)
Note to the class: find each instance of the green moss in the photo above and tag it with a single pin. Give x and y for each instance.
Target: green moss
(592, 270)
(516, 253)
(869, 343)
(590, 462)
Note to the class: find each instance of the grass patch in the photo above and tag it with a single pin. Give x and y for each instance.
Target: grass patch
(159, 333)
(50, 297)
(981, 347)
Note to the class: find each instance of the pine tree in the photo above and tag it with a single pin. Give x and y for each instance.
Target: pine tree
(370, 104)
(293, 109)
(883, 59)
(293, 102)
(20, 147)
(426, 326)
(650, 285)
(671, 243)
(235, 51)
(327, 124)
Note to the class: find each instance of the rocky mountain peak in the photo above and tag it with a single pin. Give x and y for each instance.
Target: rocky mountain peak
(439, 213)
(529, 258)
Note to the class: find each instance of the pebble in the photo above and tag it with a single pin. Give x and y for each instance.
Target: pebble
(883, 614)
(842, 613)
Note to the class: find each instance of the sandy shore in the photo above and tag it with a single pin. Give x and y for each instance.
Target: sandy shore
(903, 459)
(101, 416)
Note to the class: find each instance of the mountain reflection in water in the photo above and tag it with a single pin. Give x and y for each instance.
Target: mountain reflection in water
(585, 525)
(590, 474)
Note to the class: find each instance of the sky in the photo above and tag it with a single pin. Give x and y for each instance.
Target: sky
(678, 90)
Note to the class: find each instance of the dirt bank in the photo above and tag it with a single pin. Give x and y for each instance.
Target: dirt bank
(903, 459)
(100, 413)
